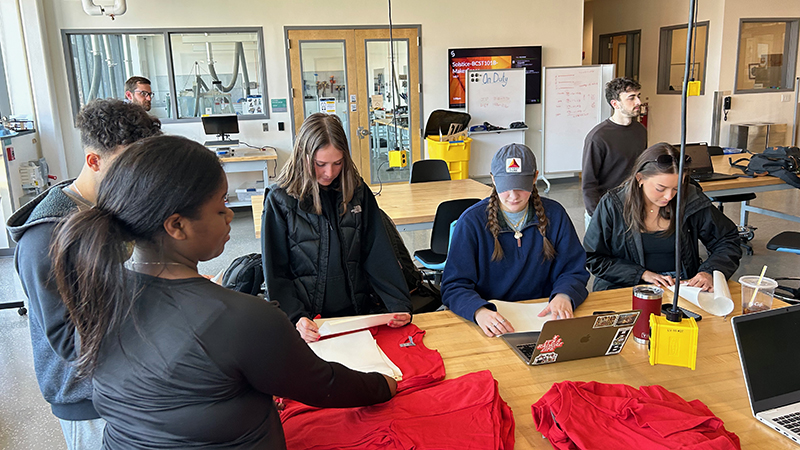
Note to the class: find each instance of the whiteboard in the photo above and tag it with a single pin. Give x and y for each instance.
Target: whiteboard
(574, 103)
(496, 96)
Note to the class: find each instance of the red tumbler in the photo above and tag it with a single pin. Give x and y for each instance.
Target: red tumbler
(647, 298)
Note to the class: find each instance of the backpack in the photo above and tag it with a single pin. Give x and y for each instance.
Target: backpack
(425, 297)
(245, 274)
(780, 162)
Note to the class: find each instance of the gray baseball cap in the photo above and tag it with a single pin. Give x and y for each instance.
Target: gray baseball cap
(514, 167)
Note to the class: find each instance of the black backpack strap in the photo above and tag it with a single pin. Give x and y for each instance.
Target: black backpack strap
(736, 164)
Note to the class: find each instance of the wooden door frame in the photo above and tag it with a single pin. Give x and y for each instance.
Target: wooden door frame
(415, 122)
(291, 90)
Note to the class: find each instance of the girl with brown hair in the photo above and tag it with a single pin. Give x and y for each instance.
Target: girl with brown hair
(324, 248)
(512, 246)
(178, 361)
(631, 238)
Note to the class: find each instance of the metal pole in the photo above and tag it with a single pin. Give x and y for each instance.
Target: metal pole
(674, 315)
(794, 120)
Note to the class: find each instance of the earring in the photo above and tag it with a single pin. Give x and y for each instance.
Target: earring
(640, 185)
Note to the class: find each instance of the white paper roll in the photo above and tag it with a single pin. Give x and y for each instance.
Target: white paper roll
(718, 303)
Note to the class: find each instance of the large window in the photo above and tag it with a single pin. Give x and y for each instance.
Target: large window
(193, 72)
(672, 57)
(767, 55)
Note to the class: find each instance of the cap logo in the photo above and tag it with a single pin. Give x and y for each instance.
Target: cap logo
(514, 165)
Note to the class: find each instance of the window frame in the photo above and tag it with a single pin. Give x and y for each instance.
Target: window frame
(664, 52)
(167, 33)
(790, 48)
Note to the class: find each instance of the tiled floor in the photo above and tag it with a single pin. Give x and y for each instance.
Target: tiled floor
(25, 418)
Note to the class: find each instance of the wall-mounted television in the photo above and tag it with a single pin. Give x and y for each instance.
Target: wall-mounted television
(463, 59)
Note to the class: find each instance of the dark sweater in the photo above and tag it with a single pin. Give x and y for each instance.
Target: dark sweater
(52, 333)
(609, 152)
(197, 366)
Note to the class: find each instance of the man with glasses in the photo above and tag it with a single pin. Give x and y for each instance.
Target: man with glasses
(137, 90)
(611, 148)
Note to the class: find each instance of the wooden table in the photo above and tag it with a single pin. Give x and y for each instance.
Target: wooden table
(744, 186)
(717, 381)
(411, 206)
(249, 161)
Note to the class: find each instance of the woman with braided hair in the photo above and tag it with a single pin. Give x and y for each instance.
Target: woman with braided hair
(514, 246)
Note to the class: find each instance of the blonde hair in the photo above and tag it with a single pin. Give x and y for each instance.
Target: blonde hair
(493, 223)
(298, 176)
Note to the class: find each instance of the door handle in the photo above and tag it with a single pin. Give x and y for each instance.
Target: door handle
(362, 132)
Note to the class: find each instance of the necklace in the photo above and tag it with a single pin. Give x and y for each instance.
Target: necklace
(78, 191)
(516, 226)
(156, 263)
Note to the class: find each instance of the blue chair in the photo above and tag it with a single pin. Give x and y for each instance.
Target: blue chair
(789, 242)
(447, 214)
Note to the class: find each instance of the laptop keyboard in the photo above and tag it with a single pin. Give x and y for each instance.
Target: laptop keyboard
(790, 421)
(527, 349)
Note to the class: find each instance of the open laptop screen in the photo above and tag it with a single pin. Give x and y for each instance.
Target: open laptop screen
(701, 161)
(770, 352)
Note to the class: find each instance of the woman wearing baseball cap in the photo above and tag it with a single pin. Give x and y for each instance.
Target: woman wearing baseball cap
(512, 246)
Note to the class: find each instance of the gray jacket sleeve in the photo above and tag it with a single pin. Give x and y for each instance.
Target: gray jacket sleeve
(34, 266)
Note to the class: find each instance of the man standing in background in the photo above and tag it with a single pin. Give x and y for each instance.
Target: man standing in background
(611, 148)
(138, 90)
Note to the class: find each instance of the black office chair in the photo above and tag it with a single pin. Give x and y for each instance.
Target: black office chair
(789, 242)
(746, 233)
(447, 213)
(429, 170)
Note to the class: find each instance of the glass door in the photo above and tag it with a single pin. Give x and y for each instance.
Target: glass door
(389, 77)
(350, 73)
(321, 65)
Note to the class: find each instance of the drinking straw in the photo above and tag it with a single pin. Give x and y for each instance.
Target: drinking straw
(760, 277)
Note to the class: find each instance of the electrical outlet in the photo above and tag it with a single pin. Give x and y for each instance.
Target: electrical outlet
(786, 97)
(265, 126)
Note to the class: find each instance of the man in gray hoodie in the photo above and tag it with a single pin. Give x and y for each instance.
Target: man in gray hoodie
(107, 127)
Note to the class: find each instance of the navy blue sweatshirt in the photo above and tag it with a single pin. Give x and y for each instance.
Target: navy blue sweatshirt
(471, 278)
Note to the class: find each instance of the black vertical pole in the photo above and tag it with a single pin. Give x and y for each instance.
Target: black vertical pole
(674, 315)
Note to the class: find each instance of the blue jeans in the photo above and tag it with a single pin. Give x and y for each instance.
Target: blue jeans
(83, 434)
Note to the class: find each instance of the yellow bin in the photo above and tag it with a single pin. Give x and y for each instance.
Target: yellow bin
(455, 154)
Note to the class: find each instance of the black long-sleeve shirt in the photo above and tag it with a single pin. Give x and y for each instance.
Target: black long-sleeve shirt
(609, 152)
(197, 366)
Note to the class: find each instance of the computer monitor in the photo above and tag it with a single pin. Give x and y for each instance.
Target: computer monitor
(222, 126)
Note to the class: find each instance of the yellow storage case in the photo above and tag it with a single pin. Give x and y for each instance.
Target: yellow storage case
(672, 343)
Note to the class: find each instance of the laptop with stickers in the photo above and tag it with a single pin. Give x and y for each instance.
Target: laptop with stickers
(770, 361)
(576, 338)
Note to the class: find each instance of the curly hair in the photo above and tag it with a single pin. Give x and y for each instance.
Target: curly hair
(618, 86)
(106, 124)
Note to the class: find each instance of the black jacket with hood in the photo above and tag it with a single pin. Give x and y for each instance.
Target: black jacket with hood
(615, 255)
(295, 249)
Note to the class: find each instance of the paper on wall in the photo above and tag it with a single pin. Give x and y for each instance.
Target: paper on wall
(718, 303)
(523, 316)
(357, 351)
(347, 324)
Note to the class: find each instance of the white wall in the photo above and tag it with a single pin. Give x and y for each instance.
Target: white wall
(766, 107)
(664, 112)
(557, 26)
(723, 15)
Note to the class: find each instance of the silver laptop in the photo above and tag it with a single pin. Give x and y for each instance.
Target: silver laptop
(576, 338)
(770, 356)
